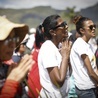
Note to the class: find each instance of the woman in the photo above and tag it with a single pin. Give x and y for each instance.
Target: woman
(53, 63)
(11, 35)
(83, 60)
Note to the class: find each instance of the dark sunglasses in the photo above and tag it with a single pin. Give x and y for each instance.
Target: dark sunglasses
(63, 24)
(92, 26)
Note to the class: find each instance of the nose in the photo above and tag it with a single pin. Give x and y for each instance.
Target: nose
(66, 31)
(66, 28)
(94, 28)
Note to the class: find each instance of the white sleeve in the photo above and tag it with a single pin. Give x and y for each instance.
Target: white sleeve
(49, 57)
(82, 48)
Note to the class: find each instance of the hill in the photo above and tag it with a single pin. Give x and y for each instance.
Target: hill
(35, 16)
(32, 17)
(91, 12)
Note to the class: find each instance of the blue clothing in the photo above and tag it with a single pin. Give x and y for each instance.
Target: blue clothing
(72, 92)
(89, 93)
(16, 58)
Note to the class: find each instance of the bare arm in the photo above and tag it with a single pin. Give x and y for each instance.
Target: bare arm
(58, 75)
(91, 72)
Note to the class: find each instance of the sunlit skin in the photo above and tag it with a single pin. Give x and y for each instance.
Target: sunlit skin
(60, 33)
(87, 33)
(56, 74)
(22, 49)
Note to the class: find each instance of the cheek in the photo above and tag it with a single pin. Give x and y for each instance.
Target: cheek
(60, 34)
(4, 55)
(60, 37)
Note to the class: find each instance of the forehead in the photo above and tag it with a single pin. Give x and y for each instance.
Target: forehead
(60, 20)
(88, 23)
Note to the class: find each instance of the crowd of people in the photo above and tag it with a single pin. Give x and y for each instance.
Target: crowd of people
(53, 64)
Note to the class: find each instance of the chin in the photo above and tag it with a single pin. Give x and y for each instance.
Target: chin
(94, 36)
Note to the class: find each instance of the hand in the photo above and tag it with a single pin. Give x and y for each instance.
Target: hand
(97, 72)
(20, 70)
(66, 47)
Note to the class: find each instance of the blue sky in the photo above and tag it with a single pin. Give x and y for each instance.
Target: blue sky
(57, 4)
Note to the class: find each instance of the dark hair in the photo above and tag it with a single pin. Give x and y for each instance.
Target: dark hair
(97, 41)
(39, 37)
(49, 23)
(79, 22)
(18, 47)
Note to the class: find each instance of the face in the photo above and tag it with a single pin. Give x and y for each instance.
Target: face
(7, 46)
(22, 48)
(89, 29)
(61, 30)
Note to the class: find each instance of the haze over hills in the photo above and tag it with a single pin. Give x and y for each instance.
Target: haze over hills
(56, 4)
(32, 17)
(91, 12)
(36, 15)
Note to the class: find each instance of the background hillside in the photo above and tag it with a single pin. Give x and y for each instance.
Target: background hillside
(91, 12)
(35, 16)
(32, 17)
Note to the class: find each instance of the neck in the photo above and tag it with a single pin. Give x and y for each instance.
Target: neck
(55, 42)
(86, 39)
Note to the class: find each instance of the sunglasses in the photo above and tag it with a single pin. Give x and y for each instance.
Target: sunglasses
(63, 24)
(92, 26)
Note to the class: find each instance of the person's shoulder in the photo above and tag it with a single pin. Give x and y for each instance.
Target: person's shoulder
(46, 43)
(79, 40)
(77, 43)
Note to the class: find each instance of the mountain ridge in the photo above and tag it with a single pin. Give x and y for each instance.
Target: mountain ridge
(35, 16)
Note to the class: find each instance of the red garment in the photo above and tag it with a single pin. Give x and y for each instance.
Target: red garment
(9, 62)
(9, 89)
(33, 78)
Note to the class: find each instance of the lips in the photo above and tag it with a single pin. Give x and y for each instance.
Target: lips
(93, 32)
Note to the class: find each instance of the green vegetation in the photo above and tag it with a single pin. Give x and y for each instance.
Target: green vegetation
(33, 17)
